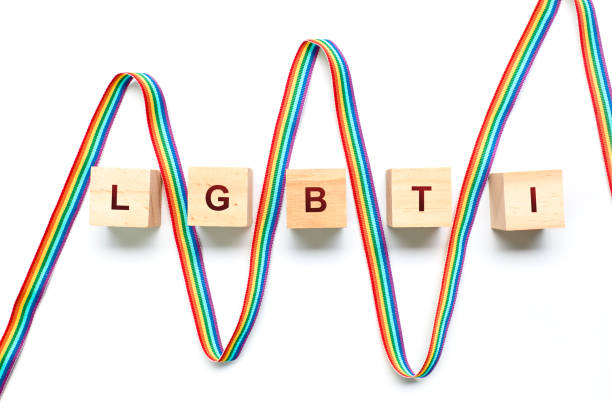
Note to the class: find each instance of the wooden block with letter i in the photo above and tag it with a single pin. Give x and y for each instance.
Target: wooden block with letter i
(419, 198)
(527, 200)
(220, 197)
(316, 198)
(125, 197)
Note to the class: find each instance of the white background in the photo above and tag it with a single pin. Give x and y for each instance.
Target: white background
(532, 322)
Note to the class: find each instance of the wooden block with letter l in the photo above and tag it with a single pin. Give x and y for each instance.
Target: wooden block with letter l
(527, 200)
(316, 198)
(220, 197)
(419, 198)
(125, 197)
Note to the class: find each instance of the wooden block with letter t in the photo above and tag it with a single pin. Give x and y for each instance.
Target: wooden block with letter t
(220, 196)
(316, 198)
(527, 200)
(125, 197)
(419, 198)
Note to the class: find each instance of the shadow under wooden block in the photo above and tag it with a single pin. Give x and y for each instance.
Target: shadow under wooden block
(419, 198)
(222, 237)
(416, 237)
(519, 240)
(317, 238)
(529, 200)
(125, 197)
(316, 198)
(131, 237)
(220, 197)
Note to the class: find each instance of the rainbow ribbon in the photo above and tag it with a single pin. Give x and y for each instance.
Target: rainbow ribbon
(362, 185)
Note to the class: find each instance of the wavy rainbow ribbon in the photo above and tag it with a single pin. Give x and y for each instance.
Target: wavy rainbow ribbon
(364, 193)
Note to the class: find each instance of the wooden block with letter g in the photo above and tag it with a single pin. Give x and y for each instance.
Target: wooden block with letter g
(220, 196)
(316, 198)
(419, 198)
(125, 197)
(527, 200)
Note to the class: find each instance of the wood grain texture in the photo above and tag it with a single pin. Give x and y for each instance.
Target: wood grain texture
(220, 196)
(511, 200)
(138, 189)
(333, 183)
(404, 202)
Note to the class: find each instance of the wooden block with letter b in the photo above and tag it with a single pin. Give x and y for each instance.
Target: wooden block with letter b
(419, 198)
(527, 200)
(220, 196)
(316, 198)
(125, 197)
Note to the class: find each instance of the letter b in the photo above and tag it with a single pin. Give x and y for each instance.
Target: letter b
(318, 198)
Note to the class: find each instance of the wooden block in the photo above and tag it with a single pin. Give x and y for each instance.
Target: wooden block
(220, 197)
(316, 198)
(419, 198)
(125, 198)
(526, 200)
